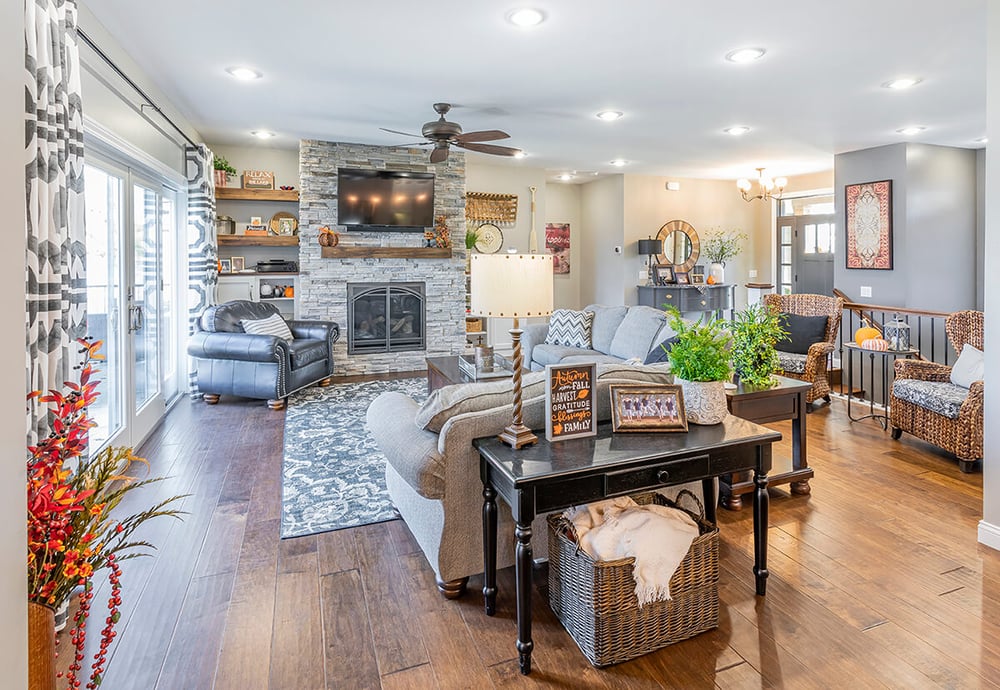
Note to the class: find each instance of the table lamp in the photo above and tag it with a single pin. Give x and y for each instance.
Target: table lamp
(651, 248)
(512, 286)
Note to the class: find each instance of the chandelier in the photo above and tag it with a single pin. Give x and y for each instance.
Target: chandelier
(765, 185)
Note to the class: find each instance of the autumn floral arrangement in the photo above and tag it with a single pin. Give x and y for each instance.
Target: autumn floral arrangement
(73, 531)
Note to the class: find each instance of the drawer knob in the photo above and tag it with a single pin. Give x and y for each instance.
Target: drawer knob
(663, 476)
(670, 296)
(703, 303)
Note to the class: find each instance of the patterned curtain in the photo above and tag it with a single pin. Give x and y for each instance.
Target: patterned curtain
(203, 249)
(56, 309)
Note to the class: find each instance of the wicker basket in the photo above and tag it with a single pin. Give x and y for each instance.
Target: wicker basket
(596, 602)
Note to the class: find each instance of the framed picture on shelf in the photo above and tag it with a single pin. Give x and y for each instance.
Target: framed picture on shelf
(697, 278)
(238, 264)
(647, 408)
(225, 266)
(256, 220)
(663, 274)
(682, 278)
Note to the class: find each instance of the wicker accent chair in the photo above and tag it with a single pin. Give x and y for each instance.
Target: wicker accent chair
(960, 430)
(811, 366)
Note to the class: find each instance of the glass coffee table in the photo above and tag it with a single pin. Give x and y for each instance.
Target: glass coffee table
(447, 371)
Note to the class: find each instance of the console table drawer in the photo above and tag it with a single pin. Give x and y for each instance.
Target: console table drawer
(628, 481)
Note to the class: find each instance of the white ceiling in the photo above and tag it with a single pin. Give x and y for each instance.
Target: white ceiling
(340, 70)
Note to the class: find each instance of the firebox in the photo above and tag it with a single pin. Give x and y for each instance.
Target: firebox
(385, 317)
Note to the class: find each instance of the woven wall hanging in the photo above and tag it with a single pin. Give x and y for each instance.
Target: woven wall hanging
(496, 208)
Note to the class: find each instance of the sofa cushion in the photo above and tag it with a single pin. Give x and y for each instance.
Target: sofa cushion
(272, 325)
(590, 359)
(449, 401)
(792, 362)
(569, 327)
(803, 331)
(968, 368)
(637, 333)
(553, 354)
(305, 352)
(939, 397)
(606, 323)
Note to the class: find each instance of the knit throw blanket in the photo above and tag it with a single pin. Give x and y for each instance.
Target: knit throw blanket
(658, 537)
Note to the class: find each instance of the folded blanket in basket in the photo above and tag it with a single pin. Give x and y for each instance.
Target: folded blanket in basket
(658, 537)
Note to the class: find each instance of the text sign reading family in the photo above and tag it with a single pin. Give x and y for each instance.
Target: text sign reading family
(569, 401)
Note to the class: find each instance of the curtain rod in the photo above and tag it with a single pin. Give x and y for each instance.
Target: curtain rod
(149, 101)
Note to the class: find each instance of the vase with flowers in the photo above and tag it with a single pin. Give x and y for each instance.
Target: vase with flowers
(719, 247)
(73, 529)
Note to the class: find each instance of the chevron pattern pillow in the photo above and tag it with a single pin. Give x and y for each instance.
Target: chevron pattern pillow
(570, 328)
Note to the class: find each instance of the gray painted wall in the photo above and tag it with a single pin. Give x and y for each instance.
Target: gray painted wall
(934, 226)
(980, 227)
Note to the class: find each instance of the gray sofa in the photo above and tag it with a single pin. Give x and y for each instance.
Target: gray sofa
(617, 334)
(432, 469)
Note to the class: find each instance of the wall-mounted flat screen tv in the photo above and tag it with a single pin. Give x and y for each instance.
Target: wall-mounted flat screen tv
(385, 200)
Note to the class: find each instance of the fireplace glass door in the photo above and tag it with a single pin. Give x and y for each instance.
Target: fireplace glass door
(385, 317)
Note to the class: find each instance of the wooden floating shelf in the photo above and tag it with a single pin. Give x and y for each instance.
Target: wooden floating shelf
(385, 253)
(239, 194)
(258, 240)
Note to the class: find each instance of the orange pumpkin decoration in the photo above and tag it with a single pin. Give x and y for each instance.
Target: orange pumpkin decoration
(710, 280)
(875, 344)
(866, 332)
(289, 291)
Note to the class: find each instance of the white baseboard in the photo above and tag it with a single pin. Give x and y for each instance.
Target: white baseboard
(989, 535)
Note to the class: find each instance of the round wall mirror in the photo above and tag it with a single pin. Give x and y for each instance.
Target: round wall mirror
(680, 245)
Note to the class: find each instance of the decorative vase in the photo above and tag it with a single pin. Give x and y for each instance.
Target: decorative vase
(221, 178)
(41, 647)
(718, 272)
(704, 401)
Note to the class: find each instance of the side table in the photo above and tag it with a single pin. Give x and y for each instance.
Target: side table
(881, 417)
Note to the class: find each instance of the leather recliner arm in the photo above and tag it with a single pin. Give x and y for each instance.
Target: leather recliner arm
(315, 330)
(244, 347)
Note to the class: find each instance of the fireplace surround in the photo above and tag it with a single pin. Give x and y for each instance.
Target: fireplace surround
(385, 317)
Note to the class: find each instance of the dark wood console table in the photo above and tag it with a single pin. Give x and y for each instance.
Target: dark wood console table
(546, 477)
(689, 298)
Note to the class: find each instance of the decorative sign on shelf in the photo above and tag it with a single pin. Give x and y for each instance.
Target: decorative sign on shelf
(495, 208)
(258, 179)
(569, 401)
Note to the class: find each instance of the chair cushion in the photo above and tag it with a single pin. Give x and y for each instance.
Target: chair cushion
(305, 352)
(637, 332)
(272, 325)
(661, 351)
(606, 323)
(969, 367)
(553, 354)
(939, 397)
(792, 362)
(803, 331)
(569, 327)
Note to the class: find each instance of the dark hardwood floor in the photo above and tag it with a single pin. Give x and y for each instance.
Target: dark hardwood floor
(876, 581)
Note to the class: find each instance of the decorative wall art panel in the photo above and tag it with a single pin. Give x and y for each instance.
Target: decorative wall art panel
(557, 244)
(869, 225)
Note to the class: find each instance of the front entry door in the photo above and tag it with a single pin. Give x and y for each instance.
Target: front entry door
(806, 250)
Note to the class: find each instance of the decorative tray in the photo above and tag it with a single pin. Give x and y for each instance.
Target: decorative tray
(467, 365)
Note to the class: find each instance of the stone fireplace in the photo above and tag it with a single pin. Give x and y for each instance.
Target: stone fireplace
(324, 283)
(385, 317)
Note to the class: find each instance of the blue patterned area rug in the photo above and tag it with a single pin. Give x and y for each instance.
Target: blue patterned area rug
(333, 474)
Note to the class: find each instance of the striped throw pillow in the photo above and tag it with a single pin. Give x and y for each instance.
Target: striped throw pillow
(272, 325)
(570, 328)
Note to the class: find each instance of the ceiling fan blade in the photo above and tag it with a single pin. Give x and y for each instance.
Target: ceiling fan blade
(440, 153)
(415, 143)
(485, 135)
(490, 148)
(396, 131)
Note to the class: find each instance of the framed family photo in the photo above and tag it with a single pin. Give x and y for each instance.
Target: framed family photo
(682, 278)
(663, 274)
(647, 408)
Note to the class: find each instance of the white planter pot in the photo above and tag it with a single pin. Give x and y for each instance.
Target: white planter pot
(718, 272)
(704, 401)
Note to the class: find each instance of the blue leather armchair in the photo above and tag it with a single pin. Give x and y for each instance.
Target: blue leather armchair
(230, 361)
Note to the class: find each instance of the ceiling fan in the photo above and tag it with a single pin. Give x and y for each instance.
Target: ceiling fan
(443, 135)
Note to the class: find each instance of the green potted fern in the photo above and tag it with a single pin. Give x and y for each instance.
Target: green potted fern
(699, 361)
(755, 331)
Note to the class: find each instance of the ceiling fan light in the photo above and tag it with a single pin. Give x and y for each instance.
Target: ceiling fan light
(520, 154)
(609, 115)
(525, 17)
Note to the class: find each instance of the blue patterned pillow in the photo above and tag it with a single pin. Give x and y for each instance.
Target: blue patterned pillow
(570, 328)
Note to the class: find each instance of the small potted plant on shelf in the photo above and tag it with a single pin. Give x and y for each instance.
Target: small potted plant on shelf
(719, 247)
(223, 170)
(73, 529)
(699, 361)
(755, 331)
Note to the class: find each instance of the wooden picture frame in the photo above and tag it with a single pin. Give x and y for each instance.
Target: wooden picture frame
(570, 411)
(647, 408)
(697, 278)
(868, 226)
(239, 264)
(682, 277)
(663, 274)
(225, 266)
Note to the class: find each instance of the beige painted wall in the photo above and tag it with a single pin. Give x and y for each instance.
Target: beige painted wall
(602, 211)
(13, 583)
(284, 163)
(562, 205)
(497, 179)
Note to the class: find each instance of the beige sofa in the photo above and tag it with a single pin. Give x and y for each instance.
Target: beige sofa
(432, 469)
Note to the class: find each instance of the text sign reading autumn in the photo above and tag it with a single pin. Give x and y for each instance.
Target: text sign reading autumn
(569, 401)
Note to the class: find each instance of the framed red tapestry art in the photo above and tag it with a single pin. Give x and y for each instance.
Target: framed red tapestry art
(869, 225)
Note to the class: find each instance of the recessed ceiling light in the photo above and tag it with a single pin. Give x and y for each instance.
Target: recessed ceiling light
(619, 162)
(244, 73)
(609, 115)
(565, 177)
(526, 17)
(910, 131)
(520, 154)
(742, 55)
(901, 83)
(737, 131)
(262, 134)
